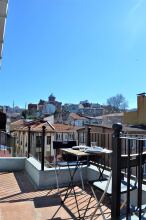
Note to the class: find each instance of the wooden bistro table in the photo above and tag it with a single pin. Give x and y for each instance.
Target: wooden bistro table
(82, 158)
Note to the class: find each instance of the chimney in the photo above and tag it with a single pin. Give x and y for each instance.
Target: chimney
(141, 106)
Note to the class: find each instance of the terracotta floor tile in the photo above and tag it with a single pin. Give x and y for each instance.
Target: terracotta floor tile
(19, 200)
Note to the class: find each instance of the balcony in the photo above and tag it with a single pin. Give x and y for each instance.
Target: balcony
(21, 199)
(29, 187)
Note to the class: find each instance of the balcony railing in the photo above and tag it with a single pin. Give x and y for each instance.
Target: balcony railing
(123, 146)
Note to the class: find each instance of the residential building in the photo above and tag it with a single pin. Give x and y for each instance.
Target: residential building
(137, 117)
(56, 132)
(94, 120)
(32, 108)
(76, 120)
(70, 108)
(19, 130)
(2, 121)
(79, 120)
(111, 118)
(89, 111)
(49, 119)
(52, 100)
(48, 109)
(102, 134)
(65, 133)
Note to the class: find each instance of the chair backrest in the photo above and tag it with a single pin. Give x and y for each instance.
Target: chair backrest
(57, 144)
(72, 143)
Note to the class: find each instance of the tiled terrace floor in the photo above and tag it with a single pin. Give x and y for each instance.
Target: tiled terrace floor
(19, 200)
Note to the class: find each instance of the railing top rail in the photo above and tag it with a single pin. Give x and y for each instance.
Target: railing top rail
(95, 132)
(133, 138)
(132, 155)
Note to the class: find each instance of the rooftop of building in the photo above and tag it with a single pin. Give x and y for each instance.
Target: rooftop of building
(75, 116)
(37, 126)
(125, 128)
(64, 127)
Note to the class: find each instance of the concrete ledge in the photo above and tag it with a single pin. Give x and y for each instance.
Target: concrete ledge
(47, 179)
(12, 163)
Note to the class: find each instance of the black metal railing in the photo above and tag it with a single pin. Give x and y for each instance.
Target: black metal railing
(37, 151)
(128, 162)
(7, 145)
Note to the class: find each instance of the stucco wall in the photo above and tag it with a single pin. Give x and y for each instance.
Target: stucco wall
(130, 118)
(138, 117)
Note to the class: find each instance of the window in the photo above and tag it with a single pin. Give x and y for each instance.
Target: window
(66, 136)
(58, 136)
(48, 140)
(38, 141)
(71, 136)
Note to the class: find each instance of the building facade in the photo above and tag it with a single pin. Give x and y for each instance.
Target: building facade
(137, 117)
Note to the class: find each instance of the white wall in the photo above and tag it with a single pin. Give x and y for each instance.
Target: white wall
(12, 163)
(47, 178)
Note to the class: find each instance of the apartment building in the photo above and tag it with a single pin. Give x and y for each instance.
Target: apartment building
(20, 129)
(60, 133)
(137, 117)
(65, 133)
(76, 120)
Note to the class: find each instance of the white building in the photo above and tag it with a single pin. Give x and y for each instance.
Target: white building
(48, 109)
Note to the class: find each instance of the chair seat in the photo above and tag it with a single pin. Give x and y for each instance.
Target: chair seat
(101, 185)
(132, 217)
(71, 163)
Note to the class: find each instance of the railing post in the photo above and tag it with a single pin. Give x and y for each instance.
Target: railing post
(78, 135)
(89, 136)
(116, 171)
(28, 153)
(43, 147)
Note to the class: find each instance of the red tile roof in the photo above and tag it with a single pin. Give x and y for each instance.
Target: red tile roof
(64, 128)
(76, 116)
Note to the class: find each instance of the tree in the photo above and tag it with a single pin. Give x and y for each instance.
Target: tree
(24, 114)
(117, 103)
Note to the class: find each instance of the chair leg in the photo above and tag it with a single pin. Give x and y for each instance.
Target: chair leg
(98, 204)
(102, 197)
(86, 208)
(81, 176)
(57, 181)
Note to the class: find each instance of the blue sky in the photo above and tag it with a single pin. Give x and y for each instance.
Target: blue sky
(75, 49)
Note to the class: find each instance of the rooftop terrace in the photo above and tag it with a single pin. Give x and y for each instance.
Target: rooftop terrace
(31, 186)
(20, 200)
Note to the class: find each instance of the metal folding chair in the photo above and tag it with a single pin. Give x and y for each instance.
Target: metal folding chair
(69, 161)
(105, 186)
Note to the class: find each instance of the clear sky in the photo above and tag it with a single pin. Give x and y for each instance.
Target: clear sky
(75, 49)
